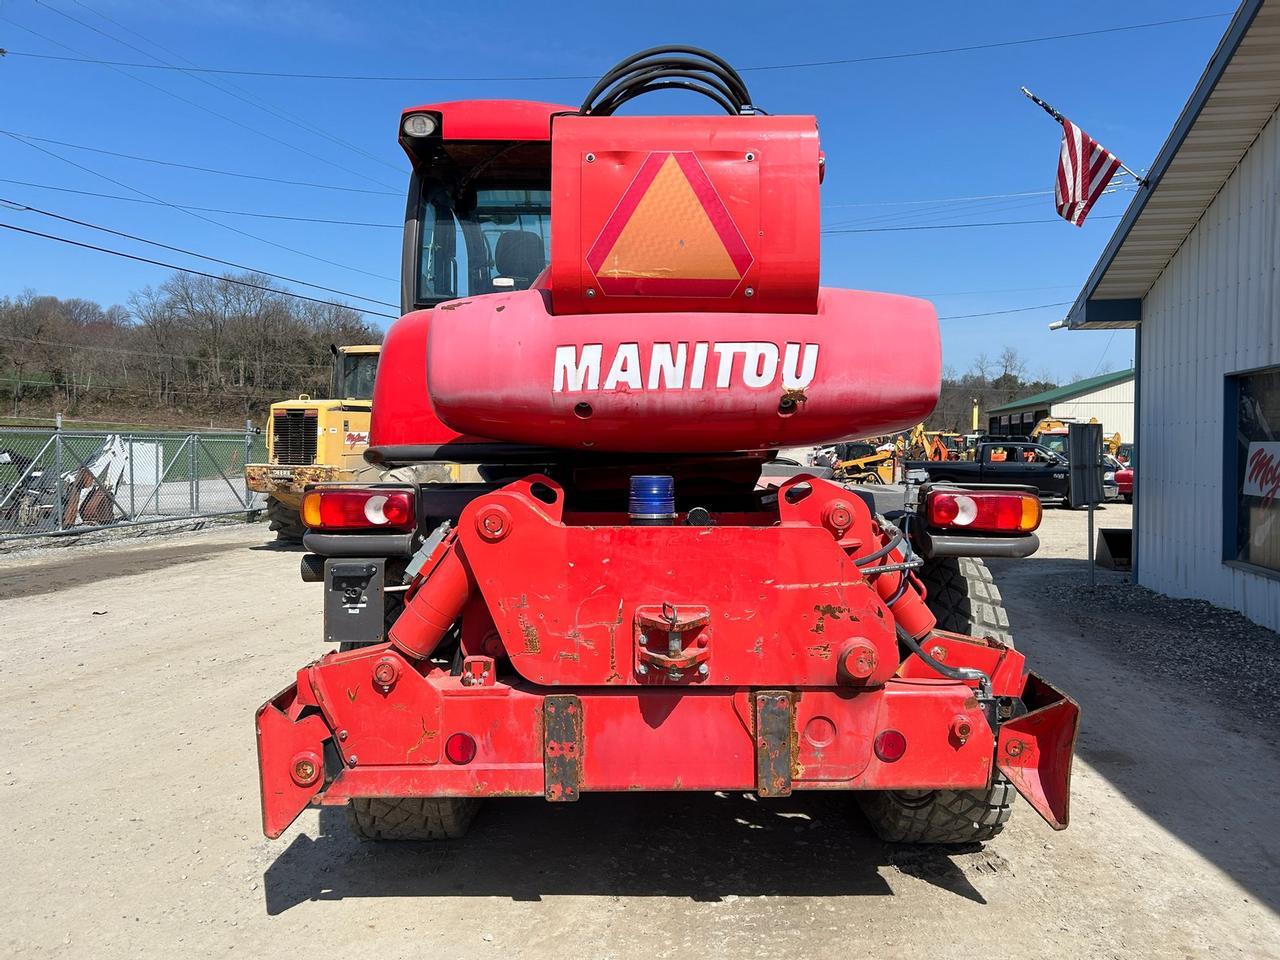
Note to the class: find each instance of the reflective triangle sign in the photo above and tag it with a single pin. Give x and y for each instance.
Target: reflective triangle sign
(670, 235)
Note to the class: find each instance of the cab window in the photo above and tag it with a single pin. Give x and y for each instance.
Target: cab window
(485, 240)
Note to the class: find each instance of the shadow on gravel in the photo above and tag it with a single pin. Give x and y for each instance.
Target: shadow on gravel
(703, 847)
(279, 546)
(1177, 701)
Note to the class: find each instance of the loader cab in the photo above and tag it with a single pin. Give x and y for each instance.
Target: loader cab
(354, 371)
(478, 216)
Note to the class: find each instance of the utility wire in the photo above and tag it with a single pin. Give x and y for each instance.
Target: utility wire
(186, 100)
(187, 206)
(997, 313)
(197, 216)
(156, 356)
(214, 170)
(799, 65)
(890, 203)
(214, 394)
(230, 89)
(948, 226)
(22, 207)
(198, 273)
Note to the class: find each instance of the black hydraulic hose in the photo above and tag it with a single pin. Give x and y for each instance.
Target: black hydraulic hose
(635, 73)
(897, 538)
(613, 104)
(666, 79)
(667, 53)
(686, 68)
(951, 673)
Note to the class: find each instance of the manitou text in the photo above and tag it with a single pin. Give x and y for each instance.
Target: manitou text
(684, 366)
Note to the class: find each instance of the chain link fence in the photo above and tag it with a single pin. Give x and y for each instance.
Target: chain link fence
(57, 481)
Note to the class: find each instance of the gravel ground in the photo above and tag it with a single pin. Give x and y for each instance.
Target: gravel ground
(128, 794)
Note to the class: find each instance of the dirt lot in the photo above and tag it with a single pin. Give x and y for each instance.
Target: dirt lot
(128, 797)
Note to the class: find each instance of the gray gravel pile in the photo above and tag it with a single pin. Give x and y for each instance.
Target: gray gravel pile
(1218, 653)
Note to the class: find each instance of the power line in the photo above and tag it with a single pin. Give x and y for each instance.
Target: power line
(190, 253)
(213, 170)
(233, 90)
(892, 203)
(947, 226)
(156, 356)
(997, 313)
(187, 206)
(197, 216)
(198, 273)
(800, 65)
(221, 392)
(177, 96)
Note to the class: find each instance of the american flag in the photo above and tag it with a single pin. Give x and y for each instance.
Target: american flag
(1084, 170)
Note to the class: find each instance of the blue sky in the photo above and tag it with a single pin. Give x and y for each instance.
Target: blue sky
(895, 132)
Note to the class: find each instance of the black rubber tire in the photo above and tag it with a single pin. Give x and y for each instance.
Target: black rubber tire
(285, 521)
(964, 598)
(939, 816)
(411, 818)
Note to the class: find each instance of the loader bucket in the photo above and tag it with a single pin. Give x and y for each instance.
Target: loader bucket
(1035, 750)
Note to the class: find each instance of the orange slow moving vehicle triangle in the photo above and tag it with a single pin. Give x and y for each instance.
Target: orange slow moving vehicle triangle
(670, 235)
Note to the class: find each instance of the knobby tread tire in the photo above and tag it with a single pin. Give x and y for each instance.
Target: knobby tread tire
(964, 598)
(939, 816)
(411, 818)
(285, 521)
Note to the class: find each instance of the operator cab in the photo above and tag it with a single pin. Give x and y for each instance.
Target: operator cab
(478, 218)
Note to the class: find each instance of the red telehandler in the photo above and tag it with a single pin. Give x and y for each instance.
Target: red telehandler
(610, 603)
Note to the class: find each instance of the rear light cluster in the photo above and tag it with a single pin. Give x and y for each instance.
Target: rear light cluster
(985, 511)
(359, 509)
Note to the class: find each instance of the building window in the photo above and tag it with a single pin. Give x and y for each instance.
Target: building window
(1252, 462)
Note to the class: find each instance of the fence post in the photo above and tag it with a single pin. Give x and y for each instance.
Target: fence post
(248, 452)
(133, 507)
(57, 468)
(192, 440)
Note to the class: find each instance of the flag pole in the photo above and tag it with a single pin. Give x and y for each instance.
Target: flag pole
(1142, 181)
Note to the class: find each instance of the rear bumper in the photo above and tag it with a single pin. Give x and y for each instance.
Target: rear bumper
(341, 733)
(283, 481)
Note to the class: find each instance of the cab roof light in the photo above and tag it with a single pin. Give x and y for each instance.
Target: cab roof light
(983, 511)
(419, 125)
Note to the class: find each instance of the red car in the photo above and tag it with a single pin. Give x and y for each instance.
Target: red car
(1124, 480)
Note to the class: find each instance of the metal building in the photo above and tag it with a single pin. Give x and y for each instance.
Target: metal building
(1107, 398)
(1194, 267)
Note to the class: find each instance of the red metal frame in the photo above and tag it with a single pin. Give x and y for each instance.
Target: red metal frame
(569, 628)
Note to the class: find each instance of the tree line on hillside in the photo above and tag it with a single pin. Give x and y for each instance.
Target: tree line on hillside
(992, 382)
(192, 345)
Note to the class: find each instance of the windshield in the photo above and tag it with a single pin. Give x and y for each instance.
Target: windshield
(1057, 442)
(358, 371)
(488, 240)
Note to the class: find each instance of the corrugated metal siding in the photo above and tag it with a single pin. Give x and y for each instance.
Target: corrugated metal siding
(1113, 408)
(1215, 310)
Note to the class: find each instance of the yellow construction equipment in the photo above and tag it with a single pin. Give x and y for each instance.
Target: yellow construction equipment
(314, 441)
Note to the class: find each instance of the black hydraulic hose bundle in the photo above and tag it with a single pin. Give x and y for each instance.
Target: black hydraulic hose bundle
(670, 68)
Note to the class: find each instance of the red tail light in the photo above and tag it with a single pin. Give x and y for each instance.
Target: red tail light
(359, 509)
(985, 511)
(460, 748)
(890, 745)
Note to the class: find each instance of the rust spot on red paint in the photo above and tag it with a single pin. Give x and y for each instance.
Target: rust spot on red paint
(532, 644)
